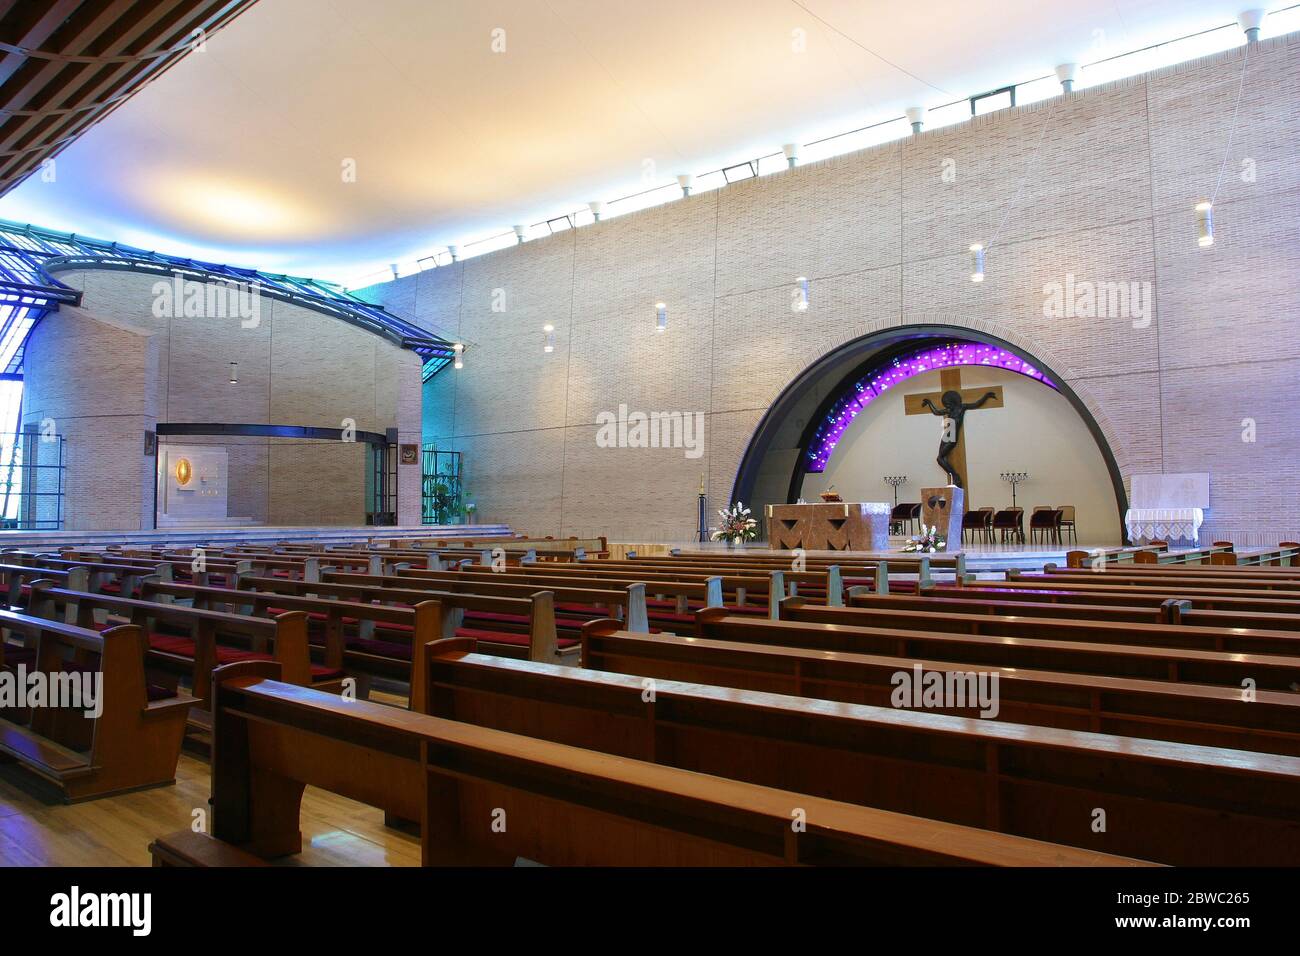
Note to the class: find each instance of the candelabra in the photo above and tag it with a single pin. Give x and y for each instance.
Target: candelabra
(895, 480)
(1014, 478)
(703, 518)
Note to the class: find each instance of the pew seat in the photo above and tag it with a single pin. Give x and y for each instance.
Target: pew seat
(26, 656)
(183, 649)
(132, 739)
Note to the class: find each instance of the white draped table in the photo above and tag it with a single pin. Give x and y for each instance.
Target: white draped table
(1164, 524)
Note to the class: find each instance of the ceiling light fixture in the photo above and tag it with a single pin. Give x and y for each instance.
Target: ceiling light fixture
(661, 316)
(1205, 223)
(1067, 73)
(800, 303)
(976, 262)
(459, 349)
(1251, 21)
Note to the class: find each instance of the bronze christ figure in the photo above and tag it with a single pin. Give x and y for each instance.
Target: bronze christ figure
(954, 409)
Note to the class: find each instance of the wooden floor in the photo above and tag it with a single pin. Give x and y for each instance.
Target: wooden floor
(36, 829)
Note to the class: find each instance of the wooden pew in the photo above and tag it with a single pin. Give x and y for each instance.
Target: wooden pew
(942, 602)
(135, 740)
(197, 651)
(675, 614)
(535, 638)
(1189, 579)
(1248, 579)
(1147, 634)
(765, 586)
(1008, 592)
(1168, 802)
(17, 580)
(563, 805)
(1188, 713)
(580, 599)
(383, 633)
(1177, 665)
(105, 577)
(1284, 555)
(1150, 553)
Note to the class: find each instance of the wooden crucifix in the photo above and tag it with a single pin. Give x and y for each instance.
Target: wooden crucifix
(953, 402)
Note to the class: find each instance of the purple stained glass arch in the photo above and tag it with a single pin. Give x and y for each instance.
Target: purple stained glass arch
(898, 370)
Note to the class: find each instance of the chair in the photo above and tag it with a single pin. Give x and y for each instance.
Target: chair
(1067, 523)
(901, 514)
(980, 525)
(1011, 522)
(1045, 526)
(914, 519)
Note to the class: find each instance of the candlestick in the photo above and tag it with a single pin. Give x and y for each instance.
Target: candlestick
(1014, 478)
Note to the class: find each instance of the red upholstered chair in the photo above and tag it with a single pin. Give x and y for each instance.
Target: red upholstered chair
(900, 519)
(1045, 526)
(915, 518)
(1067, 523)
(980, 525)
(1011, 523)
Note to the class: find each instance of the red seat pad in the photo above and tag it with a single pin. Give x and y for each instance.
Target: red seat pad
(184, 647)
(569, 623)
(675, 618)
(27, 656)
(582, 610)
(747, 609)
(499, 637)
(111, 587)
(495, 616)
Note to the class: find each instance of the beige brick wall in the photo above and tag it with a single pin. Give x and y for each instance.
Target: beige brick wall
(1099, 184)
(111, 369)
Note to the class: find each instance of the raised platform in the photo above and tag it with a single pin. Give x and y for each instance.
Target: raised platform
(979, 559)
(182, 537)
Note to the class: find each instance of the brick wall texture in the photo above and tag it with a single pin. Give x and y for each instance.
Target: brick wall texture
(110, 369)
(1099, 185)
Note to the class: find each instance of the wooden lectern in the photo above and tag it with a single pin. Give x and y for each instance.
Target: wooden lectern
(944, 508)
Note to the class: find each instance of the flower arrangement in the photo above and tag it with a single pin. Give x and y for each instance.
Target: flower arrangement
(928, 541)
(737, 525)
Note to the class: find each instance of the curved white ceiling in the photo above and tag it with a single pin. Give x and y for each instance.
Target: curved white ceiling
(237, 153)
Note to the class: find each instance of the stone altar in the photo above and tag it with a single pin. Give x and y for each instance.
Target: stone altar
(834, 526)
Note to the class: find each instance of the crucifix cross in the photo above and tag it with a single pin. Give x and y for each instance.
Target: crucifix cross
(953, 440)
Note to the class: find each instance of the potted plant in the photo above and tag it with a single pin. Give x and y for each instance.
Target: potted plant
(737, 526)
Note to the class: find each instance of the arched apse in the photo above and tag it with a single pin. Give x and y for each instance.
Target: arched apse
(799, 434)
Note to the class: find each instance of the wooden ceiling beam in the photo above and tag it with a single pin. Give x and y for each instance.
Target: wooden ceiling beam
(87, 92)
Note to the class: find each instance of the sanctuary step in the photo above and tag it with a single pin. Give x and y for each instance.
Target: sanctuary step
(179, 537)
